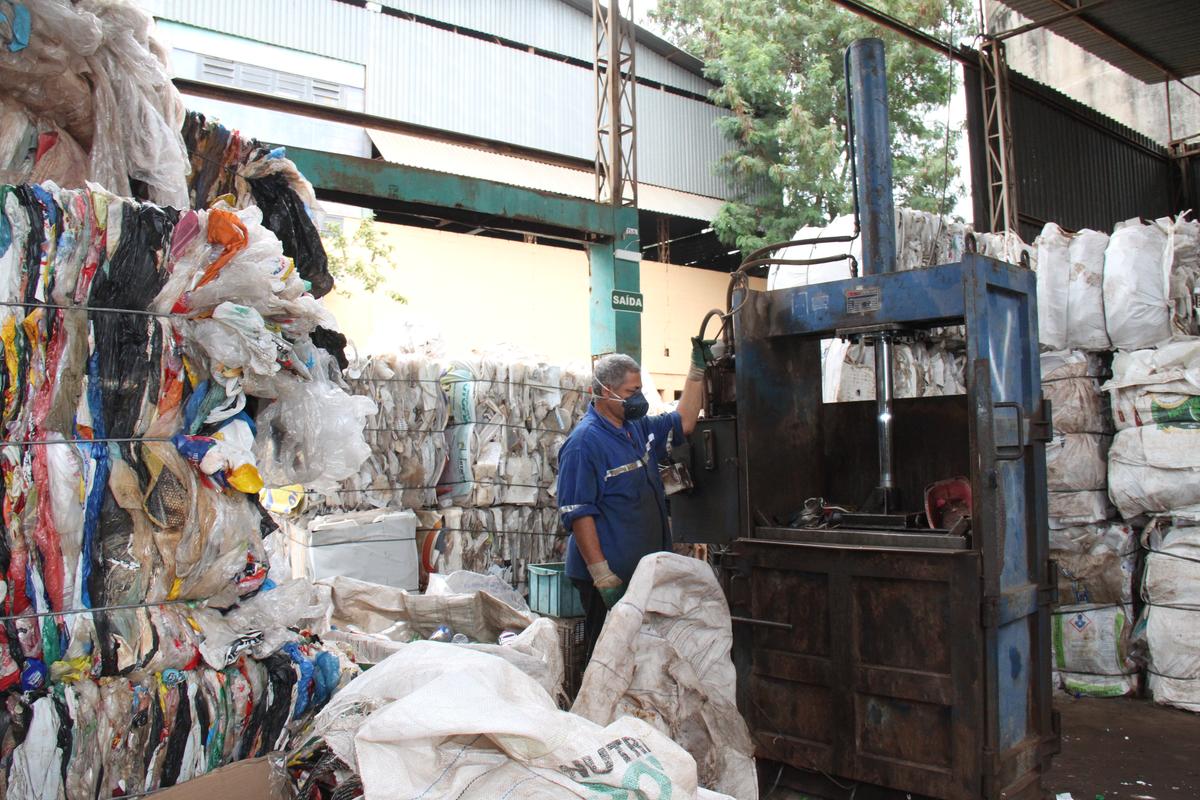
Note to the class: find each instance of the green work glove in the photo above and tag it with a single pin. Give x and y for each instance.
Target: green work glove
(612, 596)
(610, 587)
(702, 353)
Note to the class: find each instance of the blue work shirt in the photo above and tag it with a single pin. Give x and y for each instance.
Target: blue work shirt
(611, 474)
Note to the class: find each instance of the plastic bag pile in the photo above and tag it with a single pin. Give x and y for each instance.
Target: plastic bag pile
(85, 95)
(472, 445)
(156, 366)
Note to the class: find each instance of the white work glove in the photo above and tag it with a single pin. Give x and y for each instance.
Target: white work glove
(606, 582)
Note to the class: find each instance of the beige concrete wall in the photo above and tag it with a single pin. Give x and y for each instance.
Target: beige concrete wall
(1058, 62)
(478, 292)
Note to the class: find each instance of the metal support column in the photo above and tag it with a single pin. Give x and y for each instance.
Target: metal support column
(615, 277)
(616, 300)
(1001, 178)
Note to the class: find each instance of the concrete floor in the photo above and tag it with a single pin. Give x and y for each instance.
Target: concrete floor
(1117, 749)
(1126, 749)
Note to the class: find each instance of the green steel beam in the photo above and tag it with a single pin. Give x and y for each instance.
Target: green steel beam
(614, 251)
(369, 178)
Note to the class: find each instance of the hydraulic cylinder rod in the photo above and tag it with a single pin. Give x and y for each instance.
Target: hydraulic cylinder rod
(867, 84)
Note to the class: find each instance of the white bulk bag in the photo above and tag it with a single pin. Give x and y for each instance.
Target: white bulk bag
(1155, 387)
(1156, 469)
(1170, 625)
(1136, 310)
(1071, 509)
(1073, 393)
(1053, 276)
(1085, 292)
(664, 656)
(1077, 462)
(1095, 563)
(1091, 650)
(1183, 257)
(441, 721)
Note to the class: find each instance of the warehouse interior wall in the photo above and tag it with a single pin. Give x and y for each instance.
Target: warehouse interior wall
(477, 292)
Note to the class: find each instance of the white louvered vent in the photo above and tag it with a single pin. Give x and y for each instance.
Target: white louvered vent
(269, 81)
(218, 70)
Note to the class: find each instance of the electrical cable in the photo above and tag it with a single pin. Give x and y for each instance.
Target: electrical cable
(97, 609)
(59, 307)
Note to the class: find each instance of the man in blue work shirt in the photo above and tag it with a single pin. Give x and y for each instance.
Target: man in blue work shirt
(610, 495)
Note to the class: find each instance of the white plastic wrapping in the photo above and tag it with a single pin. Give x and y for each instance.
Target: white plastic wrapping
(1006, 247)
(1092, 649)
(1077, 462)
(664, 656)
(1155, 469)
(312, 435)
(264, 623)
(466, 582)
(1154, 387)
(1169, 630)
(1136, 308)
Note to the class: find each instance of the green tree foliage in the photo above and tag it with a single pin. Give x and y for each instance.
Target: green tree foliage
(780, 66)
(362, 256)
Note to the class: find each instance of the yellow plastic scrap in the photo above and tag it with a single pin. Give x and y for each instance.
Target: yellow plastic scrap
(282, 499)
(71, 670)
(245, 478)
(11, 360)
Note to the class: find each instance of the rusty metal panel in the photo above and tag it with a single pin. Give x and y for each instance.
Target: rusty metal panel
(878, 675)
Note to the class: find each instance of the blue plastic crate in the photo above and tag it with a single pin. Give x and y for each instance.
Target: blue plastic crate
(551, 591)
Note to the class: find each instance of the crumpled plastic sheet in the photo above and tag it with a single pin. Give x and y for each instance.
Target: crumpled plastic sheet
(91, 75)
(367, 613)
(160, 523)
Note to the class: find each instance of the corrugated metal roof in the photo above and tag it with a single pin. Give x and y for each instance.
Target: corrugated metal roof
(1132, 35)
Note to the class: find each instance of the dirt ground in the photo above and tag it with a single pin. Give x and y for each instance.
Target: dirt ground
(1125, 749)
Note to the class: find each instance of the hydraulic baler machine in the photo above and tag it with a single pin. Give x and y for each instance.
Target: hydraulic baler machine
(886, 560)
